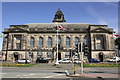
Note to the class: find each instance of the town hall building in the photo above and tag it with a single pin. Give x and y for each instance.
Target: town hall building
(35, 40)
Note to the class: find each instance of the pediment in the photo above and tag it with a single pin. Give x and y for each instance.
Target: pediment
(100, 30)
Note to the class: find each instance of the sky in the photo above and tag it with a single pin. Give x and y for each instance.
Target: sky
(20, 13)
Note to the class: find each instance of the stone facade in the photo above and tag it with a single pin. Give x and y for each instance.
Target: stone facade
(39, 40)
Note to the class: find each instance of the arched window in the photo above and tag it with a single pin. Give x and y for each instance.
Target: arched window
(67, 55)
(99, 42)
(86, 40)
(67, 41)
(49, 55)
(59, 40)
(49, 41)
(32, 41)
(76, 40)
(40, 54)
(40, 41)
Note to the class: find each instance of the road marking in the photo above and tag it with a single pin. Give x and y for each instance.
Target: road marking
(4, 73)
(66, 72)
(22, 76)
(54, 75)
(31, 74)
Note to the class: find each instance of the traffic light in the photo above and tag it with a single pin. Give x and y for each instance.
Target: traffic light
(79, 47)
(76, 48)
(86, 50)
(118, 47)
(70, 53)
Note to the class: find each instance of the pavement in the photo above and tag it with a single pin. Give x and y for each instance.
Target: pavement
(91, 75)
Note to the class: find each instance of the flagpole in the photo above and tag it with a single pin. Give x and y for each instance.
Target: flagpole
(57, 48)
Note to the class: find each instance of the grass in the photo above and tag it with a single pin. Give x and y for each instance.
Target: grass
(16, 65)
(100, 65)
(85, 65)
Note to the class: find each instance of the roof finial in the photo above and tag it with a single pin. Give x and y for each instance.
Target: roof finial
(58, 8)
(59, 17)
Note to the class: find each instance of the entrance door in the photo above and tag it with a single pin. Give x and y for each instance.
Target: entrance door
(59, 56)
(16, 56)
(101, 56)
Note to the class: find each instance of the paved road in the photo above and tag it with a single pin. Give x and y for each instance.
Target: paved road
(50, 71)
(38, 71)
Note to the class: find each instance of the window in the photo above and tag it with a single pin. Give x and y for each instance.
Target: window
(59, 40)
(86, 40)
(40, 41)
(98, 38)
(67, 55)
(99, 46)
(32, 41)
(99, 42)
(67, 41)
(40, 54)
(49, 54)
(18, 38)
(18, 46)
(76, 55)
(49, 41)
(31, 55)
(76, 40)
(18, 41)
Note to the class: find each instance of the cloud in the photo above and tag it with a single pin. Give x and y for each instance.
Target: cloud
(95, 14)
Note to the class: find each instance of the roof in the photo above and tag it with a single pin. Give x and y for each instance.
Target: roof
(50, 25)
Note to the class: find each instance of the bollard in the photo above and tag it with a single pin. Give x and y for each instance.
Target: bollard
(74, 68)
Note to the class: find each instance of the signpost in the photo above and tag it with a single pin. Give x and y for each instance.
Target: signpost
(79, 48)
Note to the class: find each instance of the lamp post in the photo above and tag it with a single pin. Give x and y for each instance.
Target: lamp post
(56, 62)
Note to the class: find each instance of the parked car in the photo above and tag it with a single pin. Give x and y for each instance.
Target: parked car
(23, 61)
(114, 59)
(41, 60)
(94, 60)
(65, 61)
(77, 61)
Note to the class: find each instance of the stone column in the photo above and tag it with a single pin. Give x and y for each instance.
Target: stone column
(72, 41)
(14, 42)
(63, 40)
(81, 38)
(53, 40)
(27, 42)
(45, 41)
(4, 43)
(92, 42)
(23, 42)
(9, 41)
(35, 56)
(112, 43)
(107, 42)
(36, 41)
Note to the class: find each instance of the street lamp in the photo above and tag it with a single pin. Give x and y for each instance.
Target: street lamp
(56, 62)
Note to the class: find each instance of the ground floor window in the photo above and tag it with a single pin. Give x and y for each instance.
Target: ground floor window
(76, 55)
(49, 55)
(40, 54)
(31, 55)
(67, 55)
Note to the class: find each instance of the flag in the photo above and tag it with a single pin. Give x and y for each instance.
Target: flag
(61, 28)
(116, 35)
